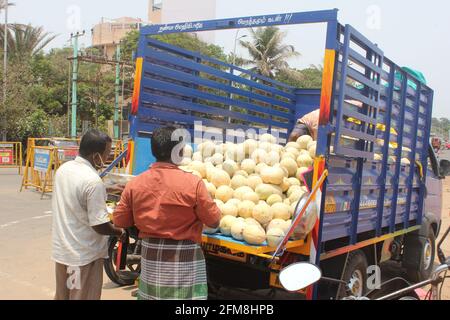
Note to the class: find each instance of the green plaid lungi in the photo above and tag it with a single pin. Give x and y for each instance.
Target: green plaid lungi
(172, 270)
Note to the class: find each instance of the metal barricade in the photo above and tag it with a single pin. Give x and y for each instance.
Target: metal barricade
(11, 155)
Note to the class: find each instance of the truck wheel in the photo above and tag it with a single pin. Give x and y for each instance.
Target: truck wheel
(355, 275)
(419, 255)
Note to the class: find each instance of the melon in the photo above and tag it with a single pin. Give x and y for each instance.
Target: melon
(264, 191)
(240, 192)
(224, 193)
(275, 236)
(225, 225)
(294, 182)
(251, 196)
(254, 234)
(287, 155)
(276, 223)
(262, 213)
(217, 159)
(312, 149)
(281, 211)
(211, 189)
(241, 173)
(188, 151)
(250, 146)
(259, 156)
(230, 167)
(230, 209)
(197, 156)
(293, 151)
(220, 178)
(237, 229)
(208, 230)
(273, 157)
(267, 137)
(199, 167)
(293, 145)
(238, 181)
(292, 189)
(259, 167)
(234, 202)
(303, 141)
(266, 146)
(285, 185)
(274, 198)
(245, 209)
(304, 160)
(207, 148)
(296, 195)
(301, 171)
(272, 175)
(253, 181)
(290, 165)
(248, 165)
(185, 161)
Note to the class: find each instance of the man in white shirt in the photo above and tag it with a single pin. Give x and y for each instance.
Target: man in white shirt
(80, 221)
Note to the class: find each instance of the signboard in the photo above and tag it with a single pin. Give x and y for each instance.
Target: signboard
(41, 160)
(6, 156)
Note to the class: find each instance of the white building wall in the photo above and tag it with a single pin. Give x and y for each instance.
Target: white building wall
(190, 10)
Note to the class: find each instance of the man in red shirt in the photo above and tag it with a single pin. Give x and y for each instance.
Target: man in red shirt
(170, 208)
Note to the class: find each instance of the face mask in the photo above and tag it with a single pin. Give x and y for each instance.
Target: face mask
(101, 165)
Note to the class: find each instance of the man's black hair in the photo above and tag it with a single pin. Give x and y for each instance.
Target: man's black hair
(162, 144)
(93, 142)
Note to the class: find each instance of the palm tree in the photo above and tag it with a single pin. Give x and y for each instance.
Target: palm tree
(26, 40)
(268, 53)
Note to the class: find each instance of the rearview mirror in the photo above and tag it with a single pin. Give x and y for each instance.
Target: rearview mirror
(299, 276)
(444, 168)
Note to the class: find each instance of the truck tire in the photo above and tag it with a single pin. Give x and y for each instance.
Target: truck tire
(355, 275)
(419, 254)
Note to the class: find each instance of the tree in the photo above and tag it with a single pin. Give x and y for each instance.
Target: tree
(309, 78)
(268, 54)
(25, 40)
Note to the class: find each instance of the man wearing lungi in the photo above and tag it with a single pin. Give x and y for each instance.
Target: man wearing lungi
(170, 208)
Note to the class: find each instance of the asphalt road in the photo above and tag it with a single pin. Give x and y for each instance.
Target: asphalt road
(26, 269)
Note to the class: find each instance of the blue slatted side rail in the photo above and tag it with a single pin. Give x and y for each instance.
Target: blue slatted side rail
(181, 87)
(412, 158)
(385, 150)
(398, 154)
(428, 106)
(361, 70)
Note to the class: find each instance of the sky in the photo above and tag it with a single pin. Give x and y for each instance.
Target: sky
(412, 33)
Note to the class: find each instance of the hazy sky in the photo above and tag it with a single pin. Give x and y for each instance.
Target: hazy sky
(413, 33)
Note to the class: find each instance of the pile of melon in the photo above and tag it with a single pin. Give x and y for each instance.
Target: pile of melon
(255, 184)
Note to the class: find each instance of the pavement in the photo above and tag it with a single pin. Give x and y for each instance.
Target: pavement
(26, 268)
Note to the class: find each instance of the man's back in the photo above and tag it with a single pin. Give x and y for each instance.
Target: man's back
(78, 204)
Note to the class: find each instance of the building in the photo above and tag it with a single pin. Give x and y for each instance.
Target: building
(109, 32)
(171, 11)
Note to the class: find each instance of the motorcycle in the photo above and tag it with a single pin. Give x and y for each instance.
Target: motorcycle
(124, 263)
(301, 275)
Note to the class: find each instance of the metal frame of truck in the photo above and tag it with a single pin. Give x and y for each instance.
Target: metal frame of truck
(368, 106)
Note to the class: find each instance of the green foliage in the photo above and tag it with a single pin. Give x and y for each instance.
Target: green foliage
(309, 78)
(441, 127)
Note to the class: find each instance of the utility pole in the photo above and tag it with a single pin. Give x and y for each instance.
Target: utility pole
(5, 71)
(74, 38)
(116, 105)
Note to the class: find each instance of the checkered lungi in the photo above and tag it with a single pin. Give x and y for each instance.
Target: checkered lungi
(172, 270)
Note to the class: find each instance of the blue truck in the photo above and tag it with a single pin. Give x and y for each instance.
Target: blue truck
(382, 198)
